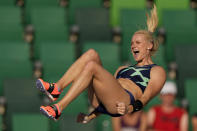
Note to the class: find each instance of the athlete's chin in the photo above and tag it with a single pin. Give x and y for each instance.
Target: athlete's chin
(137, 59)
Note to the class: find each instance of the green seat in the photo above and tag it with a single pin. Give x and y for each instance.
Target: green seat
(118, 5)
(184, 57)
(190, 93)
(48, 16)
(74, 5)
(50, 25)
(7, 3)
(32, 4)
(60, 60)
(10, 15)
(10, 24)
(173, 19)
(93, 24)
(180, 36)
(159, 57)
(52, 35)
(20, 98)
(103, 123)
(10, 33)
(1, 123)
(14, 61)
(131, 21)
(68, 123)
(110, 60)
(30, 122)
(170, 4)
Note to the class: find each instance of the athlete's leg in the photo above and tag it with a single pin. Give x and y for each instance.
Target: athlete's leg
(92, 97)
(106, 87)
(76, 68)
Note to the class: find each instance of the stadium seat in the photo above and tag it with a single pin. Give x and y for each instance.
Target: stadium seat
(159, 57)
(14, 61)
(75, 5)
(93, 24)
(34, 3)
(118, 5)
(173, 19)
(131, 21)
(10, 24)
(190, 90)
(170, 4)
(1, 123)
(30, 122)
(110, 60)
(31, 4)
(50, 25)
(184, 57)
(180, 36)
(190, 93)
(20, 98)
(62, 57)
(48, 16)
(103, 122)
(71, 124)
(7, 3)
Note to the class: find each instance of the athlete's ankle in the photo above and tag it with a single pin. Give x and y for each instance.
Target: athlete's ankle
(58, 107)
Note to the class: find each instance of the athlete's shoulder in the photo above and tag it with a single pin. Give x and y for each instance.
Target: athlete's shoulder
(158, 70)
(158, 74)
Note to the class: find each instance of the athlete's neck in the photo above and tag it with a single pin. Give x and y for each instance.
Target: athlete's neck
(146, 61)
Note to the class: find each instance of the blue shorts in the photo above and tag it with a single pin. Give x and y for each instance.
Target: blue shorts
(101, 108)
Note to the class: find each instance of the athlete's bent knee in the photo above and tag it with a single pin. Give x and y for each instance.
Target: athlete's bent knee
(92, 54)
(91, 66)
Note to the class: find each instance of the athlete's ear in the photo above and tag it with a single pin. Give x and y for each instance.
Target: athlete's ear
(150, 46)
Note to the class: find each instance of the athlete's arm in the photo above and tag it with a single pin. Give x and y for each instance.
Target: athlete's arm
(157, 80)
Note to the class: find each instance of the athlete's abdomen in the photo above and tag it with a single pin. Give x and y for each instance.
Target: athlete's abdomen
(130, 86)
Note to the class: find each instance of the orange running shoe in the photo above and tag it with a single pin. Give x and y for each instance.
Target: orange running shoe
(53, 112)
(50, 89)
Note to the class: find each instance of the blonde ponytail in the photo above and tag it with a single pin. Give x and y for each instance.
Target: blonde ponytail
(152, 23)
(152, 20)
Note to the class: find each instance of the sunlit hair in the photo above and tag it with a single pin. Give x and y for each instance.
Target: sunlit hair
(152, 23)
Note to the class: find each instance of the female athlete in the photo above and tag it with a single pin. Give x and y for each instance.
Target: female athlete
(127, 91)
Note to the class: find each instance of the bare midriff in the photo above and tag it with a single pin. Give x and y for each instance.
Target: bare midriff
(131, 86)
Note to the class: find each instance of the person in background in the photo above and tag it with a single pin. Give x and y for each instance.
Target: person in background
(194, 122)
(130, 122)
(167, 116)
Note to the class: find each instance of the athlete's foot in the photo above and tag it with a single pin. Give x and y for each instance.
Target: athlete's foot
(50, 89)
(53, 112)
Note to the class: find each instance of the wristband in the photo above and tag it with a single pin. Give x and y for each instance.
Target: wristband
(137, 105)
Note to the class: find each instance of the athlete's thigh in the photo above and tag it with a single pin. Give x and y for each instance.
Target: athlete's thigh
(108, 90)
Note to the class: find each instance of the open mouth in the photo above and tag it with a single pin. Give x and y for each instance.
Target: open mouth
(136, 52)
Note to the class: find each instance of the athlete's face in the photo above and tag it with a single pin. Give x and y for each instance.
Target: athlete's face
(140, 47)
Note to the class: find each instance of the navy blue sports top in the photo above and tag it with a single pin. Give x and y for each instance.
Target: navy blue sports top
(140, 75)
